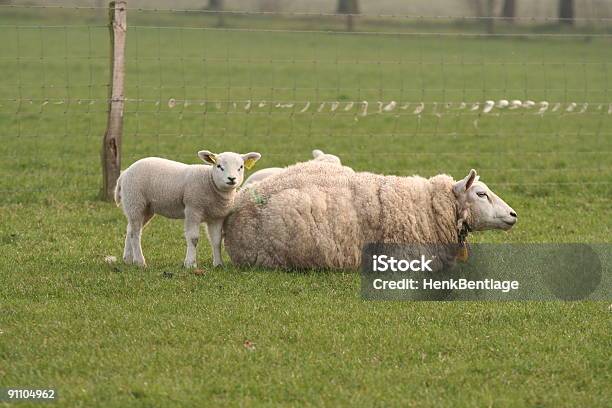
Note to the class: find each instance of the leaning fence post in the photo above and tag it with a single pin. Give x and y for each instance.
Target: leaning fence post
(111, 145)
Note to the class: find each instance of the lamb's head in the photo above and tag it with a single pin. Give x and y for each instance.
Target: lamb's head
(484, 210)
(228, 168)
(318, 155)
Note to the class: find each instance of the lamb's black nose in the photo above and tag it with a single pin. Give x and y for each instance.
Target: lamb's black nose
(232, 179)
(513, 214)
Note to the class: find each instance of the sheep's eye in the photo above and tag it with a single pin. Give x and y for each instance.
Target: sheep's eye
(240, 167)
(481, 194)
(219, 167)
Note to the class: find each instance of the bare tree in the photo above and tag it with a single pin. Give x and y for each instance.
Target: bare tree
(484, 10)
(566, 11)
(490, 16)
(509, 10)
(348, 7)
(217, 5)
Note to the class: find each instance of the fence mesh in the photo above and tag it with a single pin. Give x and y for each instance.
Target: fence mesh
(527, 102)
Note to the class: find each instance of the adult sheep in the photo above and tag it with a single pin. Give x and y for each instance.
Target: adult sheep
(319, 215)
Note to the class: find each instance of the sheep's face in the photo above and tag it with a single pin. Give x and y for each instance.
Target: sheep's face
(228, 168)
(486, 211)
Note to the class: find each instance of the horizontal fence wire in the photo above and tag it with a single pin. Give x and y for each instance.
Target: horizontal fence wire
(307, 13)
(532, 93)
(560, 36)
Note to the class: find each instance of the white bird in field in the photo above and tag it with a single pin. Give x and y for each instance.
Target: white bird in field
(515, 104)
(503, 103)
(528, 104)
(543, 107)
(390, 106)
(488, 106)
(364, 110)
(419, 109)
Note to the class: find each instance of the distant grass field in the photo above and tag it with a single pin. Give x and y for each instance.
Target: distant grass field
(110, 335)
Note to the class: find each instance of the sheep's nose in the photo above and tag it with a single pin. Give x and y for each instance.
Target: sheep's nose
(232, 179)
(513, 214)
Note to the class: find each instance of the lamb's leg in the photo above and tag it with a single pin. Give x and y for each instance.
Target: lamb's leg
(135, 235)
(192, 235)
(215, 236)
(136, 222)
(128, 256)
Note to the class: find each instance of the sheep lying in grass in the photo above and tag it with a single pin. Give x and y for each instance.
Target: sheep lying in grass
(320, 215)
(317, 155)
(197, 193)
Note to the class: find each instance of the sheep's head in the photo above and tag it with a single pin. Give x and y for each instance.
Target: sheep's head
(484, 210)
(228, 168)
(318, 155)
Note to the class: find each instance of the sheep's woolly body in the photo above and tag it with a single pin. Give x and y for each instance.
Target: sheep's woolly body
(166, 187)
(320, 215)
(176, 190)
(262, 174)
(318, 155)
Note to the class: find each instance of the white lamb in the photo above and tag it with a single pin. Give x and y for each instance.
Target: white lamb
(318, 155)
(197, 193)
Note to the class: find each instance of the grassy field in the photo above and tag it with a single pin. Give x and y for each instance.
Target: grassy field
(110, 335)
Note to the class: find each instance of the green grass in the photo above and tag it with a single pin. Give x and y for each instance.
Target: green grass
(110, 335)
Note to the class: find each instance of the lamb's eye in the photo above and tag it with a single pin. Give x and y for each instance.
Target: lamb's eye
(219, 167)
(481, 194)
(240, 167)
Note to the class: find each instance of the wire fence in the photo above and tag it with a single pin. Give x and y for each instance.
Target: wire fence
(529, 103)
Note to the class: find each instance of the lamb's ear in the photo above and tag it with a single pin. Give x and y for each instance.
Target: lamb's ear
(464, 185)
(207, 157)
(316, 153)
(250, 159)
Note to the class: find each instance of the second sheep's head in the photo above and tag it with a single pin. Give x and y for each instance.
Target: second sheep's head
(228, 167)
(484, 210)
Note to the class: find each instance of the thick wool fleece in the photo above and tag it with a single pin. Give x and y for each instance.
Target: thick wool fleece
(166, 187)
(320, 215)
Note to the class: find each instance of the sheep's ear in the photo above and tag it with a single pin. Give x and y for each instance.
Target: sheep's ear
(250, 159)
(316, 153)
(207, 157)
(465, 184)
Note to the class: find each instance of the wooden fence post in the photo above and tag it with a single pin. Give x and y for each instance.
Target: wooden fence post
(111, 145)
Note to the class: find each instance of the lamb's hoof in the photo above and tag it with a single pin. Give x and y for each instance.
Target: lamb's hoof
(218, 265)
(140, 264)
(189, 265)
